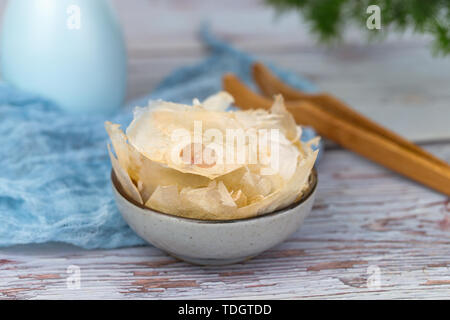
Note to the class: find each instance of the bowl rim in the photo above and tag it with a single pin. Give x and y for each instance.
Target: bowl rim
(313, 180)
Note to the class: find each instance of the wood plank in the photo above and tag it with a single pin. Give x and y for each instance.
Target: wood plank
(377, 79)
(365, 217)
(411, 101)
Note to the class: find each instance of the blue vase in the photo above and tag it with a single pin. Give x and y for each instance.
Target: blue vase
(70, 51)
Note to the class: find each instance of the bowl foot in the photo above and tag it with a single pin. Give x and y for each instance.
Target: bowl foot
(210, 262)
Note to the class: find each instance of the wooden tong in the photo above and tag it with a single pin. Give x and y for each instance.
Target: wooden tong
(336, 121)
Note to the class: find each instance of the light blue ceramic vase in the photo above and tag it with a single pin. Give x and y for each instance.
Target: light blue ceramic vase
(70, 51)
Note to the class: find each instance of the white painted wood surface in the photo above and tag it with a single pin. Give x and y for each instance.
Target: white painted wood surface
(365, 217)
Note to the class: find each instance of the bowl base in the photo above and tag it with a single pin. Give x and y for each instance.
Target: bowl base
(210, 262)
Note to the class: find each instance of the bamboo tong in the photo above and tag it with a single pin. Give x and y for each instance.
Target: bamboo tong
(333, 119)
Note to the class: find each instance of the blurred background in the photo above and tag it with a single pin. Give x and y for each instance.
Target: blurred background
(55, 182)
(397, 81)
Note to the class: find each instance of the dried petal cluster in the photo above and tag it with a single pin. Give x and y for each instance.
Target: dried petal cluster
(178, 159)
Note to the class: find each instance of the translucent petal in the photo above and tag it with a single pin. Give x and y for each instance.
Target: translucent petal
(124, 179)
(174, 158)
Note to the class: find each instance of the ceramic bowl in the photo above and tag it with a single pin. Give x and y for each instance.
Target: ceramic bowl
(214, 242)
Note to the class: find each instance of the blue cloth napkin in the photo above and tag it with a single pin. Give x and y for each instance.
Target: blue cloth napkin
(54, 167)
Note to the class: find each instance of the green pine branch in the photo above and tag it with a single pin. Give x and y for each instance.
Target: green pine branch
(329, 18)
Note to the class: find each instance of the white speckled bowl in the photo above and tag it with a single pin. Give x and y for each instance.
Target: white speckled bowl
(214, 242)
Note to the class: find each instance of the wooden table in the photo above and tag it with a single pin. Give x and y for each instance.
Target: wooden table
(371, 234)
